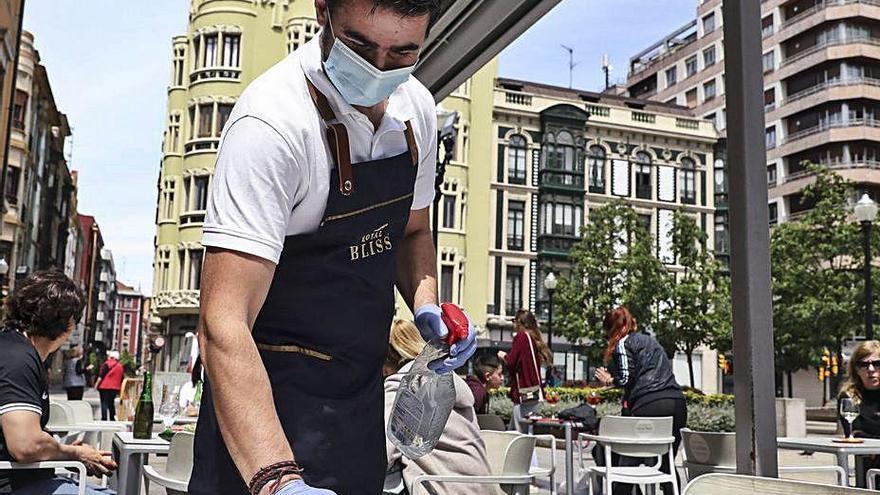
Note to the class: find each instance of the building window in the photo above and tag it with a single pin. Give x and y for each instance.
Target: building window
(209, 58)
(172, 142)
(19, 109)
(767, 26)
(688, 181)
(709, 56)
(691, 66)
(516, 213)
(769, 61)
(643, 175)
(223, 112)
(178, 65)
(299, 32)
(769, 99)
(771, 175)
(206, 122)
(220, 51)
(191, 268)
(513, 292)
(691, 97)
(167, 206)
(126, 321)
(561, 219)
(12, 177)
(163, 269)
(446, 285)
(709, 23)
(709, 90)
(645, 222)
(196, 193)
(206, 119)
(721, 234)
(671, 76)
(516, 160)
(770, 137)
(597, 169)
(231, 48)
(448, 211)
(774, 213)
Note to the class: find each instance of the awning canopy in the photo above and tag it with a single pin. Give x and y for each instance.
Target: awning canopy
(469, 34)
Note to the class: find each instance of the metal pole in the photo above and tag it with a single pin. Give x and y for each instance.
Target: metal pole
(750, 241)
(550, 323)
(869, 286)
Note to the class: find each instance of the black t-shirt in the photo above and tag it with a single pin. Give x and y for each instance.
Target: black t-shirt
(23, 387)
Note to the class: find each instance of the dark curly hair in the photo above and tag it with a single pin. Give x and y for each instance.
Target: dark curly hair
(43, 304)
(406, 8)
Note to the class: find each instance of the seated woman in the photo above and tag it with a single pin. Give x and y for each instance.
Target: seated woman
(460, 450)
(41, 315)
(863, 386)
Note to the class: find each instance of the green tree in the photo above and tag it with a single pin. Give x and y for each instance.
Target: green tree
(816, 275)
(613, 264)
(697, 311)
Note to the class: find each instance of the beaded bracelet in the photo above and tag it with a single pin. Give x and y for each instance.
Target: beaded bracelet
(271, 472)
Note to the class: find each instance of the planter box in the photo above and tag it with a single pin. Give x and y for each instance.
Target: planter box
(791, 417)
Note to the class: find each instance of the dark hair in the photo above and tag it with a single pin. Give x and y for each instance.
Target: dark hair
(526, 320)
(486, 364)
(406, 8)
(618, 324)
(43, 304)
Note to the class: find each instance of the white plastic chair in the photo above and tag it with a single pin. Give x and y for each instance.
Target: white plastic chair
(549, 471)
(710, 452)
(509, 456)
(634, 437)
(80, 468)
(100, 433)
(871, 478)
(175, 478)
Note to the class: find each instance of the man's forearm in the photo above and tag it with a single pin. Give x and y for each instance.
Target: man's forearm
(242, 397)
(417, 270)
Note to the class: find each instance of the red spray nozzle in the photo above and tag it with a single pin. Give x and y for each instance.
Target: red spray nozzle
(456, 322)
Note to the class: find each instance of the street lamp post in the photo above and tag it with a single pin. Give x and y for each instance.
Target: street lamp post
(550, 284)
(866, 211)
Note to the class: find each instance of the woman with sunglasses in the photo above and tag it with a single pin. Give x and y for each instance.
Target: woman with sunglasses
(863, 386)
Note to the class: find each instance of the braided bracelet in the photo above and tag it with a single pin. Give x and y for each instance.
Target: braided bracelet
(272, 472)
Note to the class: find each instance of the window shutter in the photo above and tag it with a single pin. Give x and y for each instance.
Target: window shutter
(666, 183)
(664, 236)
(620, 178)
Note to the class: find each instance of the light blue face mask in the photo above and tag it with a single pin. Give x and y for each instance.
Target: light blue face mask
(358, 81)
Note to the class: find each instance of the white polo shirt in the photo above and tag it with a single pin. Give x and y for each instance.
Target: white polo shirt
(272, 176)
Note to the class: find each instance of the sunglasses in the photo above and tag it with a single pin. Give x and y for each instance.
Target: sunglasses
(863, 365)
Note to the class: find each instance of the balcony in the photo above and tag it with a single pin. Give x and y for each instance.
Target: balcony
(862, 164)
(560, 180)
(223, 74)
(202, 145)
(192, 218)
(837, 89)
(820, 7)
(177, 302)
(557, 246)
(828, 44)
(830, 125)
(515, 98)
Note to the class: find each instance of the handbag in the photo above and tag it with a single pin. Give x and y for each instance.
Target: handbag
(533, 393)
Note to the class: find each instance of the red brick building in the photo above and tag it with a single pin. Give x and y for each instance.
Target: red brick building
(129, 317)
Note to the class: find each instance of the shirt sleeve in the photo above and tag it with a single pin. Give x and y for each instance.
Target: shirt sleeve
(20, 385)
(621, 363)
(424, 188)
(255, 186)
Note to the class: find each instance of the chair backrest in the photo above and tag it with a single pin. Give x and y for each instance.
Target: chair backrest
(60, 413)
(509, 453)
(631, 429)
(180, 456)
(491, 422)
(706, 451)
(82, 411)
(496, 447)
(734, 484)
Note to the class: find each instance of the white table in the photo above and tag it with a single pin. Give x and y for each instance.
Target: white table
(131, 454)
(825, 445)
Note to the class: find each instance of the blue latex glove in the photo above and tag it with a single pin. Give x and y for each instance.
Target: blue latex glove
(430, 325)
(299, 487)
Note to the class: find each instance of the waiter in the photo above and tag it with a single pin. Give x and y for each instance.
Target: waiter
(319, 206)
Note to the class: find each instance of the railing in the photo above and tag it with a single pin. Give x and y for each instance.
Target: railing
(869, 164)
(870, 81)
(598, 111)
(827, 44)
(192, 217)
(645, 118)
(223, 73)
(822, 6)
(830, 125)
(567, 180)
(202, 144)
(557, 243)
(515, 243)
(517, 98)
(687, 123)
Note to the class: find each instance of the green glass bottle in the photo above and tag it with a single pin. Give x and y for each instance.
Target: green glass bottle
(143, 416)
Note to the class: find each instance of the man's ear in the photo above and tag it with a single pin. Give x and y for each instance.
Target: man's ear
(321, 11)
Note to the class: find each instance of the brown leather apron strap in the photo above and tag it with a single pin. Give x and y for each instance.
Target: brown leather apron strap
(337, 137)
(411, 143)
(295, 349)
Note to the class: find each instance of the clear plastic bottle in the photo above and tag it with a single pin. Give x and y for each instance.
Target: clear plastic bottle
(425, 398)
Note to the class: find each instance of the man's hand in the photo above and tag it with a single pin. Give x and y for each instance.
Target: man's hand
(604, 376)
(430, 325)
(97, 463)
(299, 487)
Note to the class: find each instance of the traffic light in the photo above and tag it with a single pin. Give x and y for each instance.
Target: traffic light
(821, 373)
(722, 362)
(834, 368)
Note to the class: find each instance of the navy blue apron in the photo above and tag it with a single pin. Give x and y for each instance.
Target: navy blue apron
(323, 330)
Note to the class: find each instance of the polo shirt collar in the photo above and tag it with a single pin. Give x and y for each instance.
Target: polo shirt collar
(399, 108)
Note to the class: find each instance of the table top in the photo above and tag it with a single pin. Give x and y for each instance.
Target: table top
(826, 444)
(538, 420)
(125, 439)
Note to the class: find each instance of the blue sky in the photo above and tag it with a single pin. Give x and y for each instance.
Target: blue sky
(109, 64)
